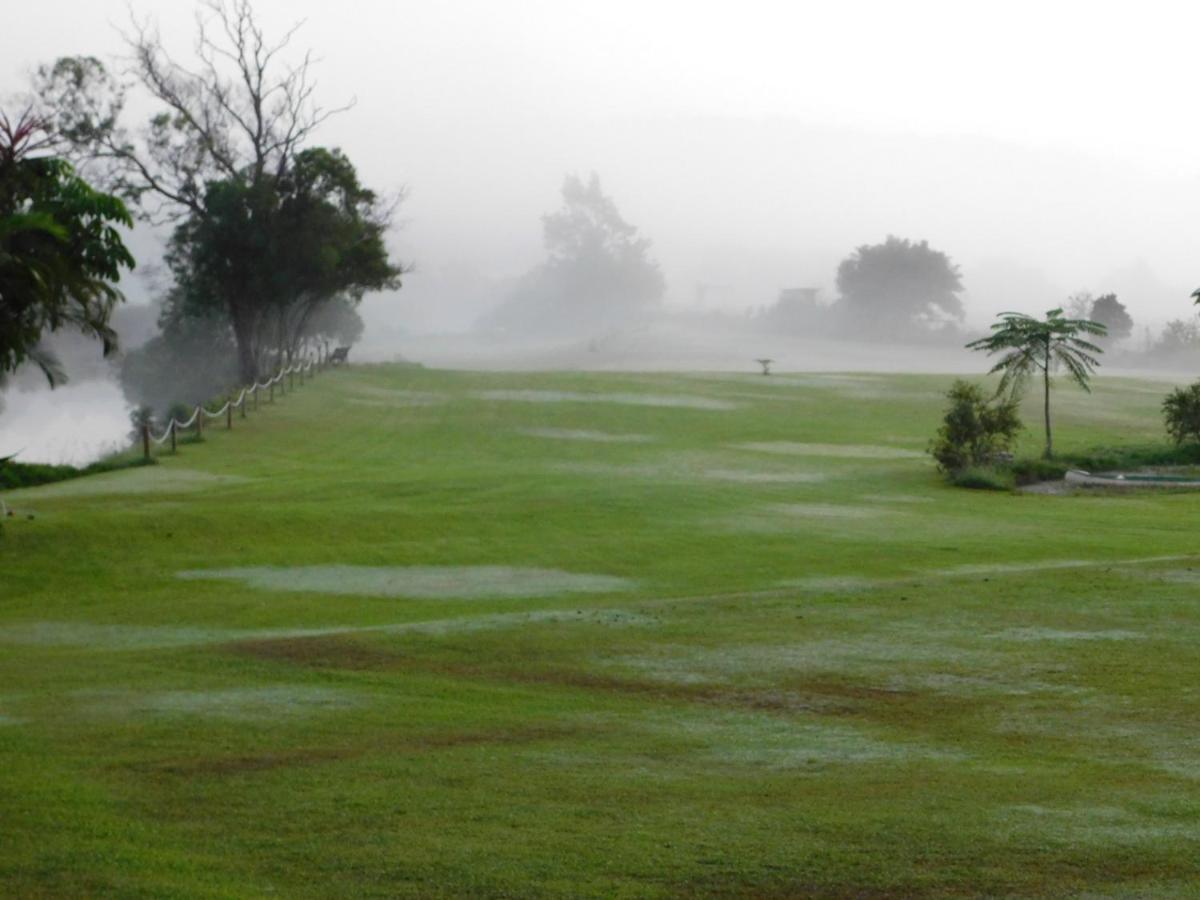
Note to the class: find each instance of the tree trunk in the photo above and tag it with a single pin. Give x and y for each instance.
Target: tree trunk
(243, 333)
(1046, 393)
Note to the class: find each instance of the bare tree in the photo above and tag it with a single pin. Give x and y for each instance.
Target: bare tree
(239, 112)
(234, 118)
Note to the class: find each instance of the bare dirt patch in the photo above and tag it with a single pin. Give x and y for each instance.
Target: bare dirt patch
(263, 703)
(331, 651)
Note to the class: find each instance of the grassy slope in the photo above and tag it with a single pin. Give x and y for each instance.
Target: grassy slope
(805, 693)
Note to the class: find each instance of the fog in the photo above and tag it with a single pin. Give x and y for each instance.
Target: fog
(1045, 150)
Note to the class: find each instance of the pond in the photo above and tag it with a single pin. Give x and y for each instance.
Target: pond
(75, 424)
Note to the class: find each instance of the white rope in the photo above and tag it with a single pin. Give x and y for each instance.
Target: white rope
(176, 425)
(190, 422)
(216, 415)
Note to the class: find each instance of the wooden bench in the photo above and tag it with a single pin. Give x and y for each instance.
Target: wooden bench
(339, 355)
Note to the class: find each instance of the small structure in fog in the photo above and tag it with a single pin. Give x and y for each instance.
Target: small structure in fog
(766, 365)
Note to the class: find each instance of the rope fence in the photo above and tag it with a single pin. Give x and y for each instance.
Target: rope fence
(200, 414)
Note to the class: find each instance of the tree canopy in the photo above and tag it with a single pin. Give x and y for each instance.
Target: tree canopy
(1034, 346)
(598, 275)
(898, 288)
(272, 255)
(61, 253)
(268, 229)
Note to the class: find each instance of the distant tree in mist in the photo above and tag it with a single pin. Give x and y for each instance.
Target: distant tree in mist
(898, 289)
(224, 154)
(1112, 314)
(598, 275)
(1180, 337)
(1079, 305)
(191, 359)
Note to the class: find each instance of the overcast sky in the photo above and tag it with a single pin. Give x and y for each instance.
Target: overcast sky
(1047, 147)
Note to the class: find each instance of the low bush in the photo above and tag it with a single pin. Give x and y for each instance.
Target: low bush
(21, 475)
(987, 478)
(975, 430)
(1181, 412)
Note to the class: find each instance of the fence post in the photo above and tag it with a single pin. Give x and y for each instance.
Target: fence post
(302, 375)
(199, 422)
(256, 396)
(172, 434)
(146, 442)
(242, 405)
(229, 416)
(291, 381)
(271, 396)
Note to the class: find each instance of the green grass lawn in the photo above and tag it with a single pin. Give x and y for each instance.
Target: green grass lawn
(436, 633)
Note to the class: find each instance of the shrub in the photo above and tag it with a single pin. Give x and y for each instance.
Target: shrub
(982, 478)
(1181, 410)
(180, 412)
(1031, 471)
(974, 430)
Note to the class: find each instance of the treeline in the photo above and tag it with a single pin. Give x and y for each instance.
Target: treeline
(273, 241)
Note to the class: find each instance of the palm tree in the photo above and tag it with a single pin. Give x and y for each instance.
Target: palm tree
(1041, 345)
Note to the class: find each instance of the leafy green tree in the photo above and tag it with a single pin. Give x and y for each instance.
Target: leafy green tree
(61, 253)
(223, 154)
(1040, 346)
(898, 288)
(974, 429)
(273, 257)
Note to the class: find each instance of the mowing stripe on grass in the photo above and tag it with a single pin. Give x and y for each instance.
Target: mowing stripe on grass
(424, 582)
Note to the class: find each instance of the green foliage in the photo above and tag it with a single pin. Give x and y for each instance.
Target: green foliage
(984, 478)
(15, 475)
(180, 412)
(60, 251)
(1106, 459)
(285, 259)
(974, 429)
(1031, 471)
(270, 230)
(1181, 412)
(898, 288)
(1039, 346)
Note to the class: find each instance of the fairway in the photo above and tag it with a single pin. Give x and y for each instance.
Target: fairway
(414, 633)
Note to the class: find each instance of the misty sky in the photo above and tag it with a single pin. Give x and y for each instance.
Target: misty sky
(1047, 147)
